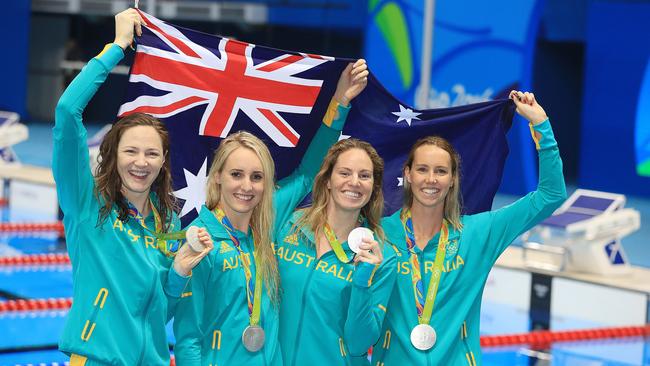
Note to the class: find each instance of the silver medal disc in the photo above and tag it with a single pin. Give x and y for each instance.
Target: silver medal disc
(253, 338)
(355, 237)
(192, 237)
(423, 337)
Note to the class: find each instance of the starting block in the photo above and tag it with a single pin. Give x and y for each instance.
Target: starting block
(12, 132)
(26, 188)
(583, 235)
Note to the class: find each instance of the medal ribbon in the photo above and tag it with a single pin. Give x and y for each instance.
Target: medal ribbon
(424, 304)
(167, 243)
(253, 292)
(335, 244)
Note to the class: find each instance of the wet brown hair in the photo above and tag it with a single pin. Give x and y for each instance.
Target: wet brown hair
(108, 183)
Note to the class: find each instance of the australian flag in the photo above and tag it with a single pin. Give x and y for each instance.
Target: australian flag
(204, 87)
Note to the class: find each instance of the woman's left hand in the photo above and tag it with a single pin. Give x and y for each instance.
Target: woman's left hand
(370, 252)
(187, 258)
(528, 107)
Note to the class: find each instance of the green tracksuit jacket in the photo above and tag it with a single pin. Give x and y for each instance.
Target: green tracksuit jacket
(123, 285)
(331, 312)
(470, 254)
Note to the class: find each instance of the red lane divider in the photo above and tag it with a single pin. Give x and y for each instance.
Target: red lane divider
(35, 304)
(11, 227)
(3, 202)
(543, 339)
(35, 260)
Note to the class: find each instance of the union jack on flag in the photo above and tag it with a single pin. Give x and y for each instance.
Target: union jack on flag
(226, 80)
(204, 87)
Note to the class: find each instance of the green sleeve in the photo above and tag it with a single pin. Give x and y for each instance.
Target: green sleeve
(507, 223)
(293, 189)
(368, 304)
(175, 286)
(70, 161)
(188, 317)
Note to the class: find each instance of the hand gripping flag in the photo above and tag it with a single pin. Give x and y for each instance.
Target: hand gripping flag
(204, 87)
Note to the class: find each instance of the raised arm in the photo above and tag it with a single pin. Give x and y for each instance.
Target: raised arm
(293, 189)
(70, 155)
(507, 223)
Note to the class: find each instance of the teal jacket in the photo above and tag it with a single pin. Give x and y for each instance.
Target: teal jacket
(331, 312)
(123, 286)
(470, 254)
(209, 322)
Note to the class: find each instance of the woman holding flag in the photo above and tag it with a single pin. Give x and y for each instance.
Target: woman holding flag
(128, 271)
(231, 316)
(336, 278)
(444, 258)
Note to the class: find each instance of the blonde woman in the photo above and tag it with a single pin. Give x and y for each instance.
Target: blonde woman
(231, 317)
(333, 299)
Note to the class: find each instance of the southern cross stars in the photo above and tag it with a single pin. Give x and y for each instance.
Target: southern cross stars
(194, 192)
(406, 114)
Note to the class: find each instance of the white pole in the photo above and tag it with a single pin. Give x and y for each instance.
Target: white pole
(422, 97)
(151, 7)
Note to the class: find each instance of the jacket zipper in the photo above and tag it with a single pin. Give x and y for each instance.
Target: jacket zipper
(302, 311)
(146, 307)
(426, 286)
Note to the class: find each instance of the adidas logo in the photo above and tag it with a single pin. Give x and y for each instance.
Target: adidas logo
(291, 239)
(225, 248)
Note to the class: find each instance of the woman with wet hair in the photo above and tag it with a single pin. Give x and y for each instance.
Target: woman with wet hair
(336, 276)
(128, 271)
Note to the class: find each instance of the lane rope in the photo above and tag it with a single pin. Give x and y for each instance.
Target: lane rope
(17, 227)
(58, 303)
(544, 338)
(49, 259)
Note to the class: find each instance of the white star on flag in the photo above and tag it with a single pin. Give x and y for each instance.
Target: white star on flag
(406, 114)
(194, 192)
(400, 181)
(344, 137)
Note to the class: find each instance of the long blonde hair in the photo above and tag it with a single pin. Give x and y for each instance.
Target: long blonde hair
(453, 200)
(315, 216)
(263, 214)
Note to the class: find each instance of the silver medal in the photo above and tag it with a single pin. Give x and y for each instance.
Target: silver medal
(253, 338)
(423, 337)
(192, 237)
(356, 236)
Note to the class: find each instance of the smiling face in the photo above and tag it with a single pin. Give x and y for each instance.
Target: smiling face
(351, 181)
(139, 159)
(242, 182)
(430, 176)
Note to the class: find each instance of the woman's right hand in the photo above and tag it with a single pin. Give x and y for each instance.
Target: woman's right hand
(351, 82)
(187, 258)
(127, 23)
(370, 252)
